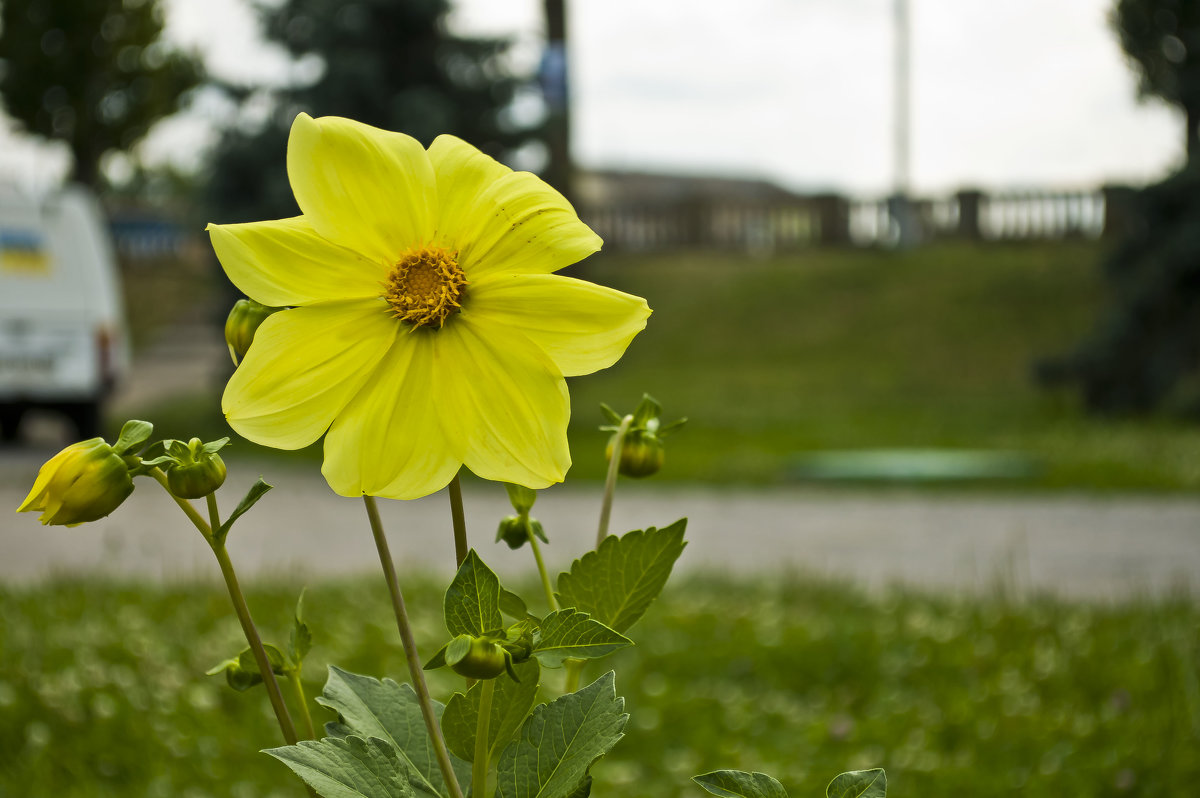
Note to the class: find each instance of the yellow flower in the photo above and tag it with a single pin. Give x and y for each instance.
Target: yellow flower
(83, 482)
(426, 328)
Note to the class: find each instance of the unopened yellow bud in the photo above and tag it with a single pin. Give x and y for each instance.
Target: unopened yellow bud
(83, 482)
(241, 325)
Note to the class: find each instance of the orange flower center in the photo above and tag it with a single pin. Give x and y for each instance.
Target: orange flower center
(425, 287)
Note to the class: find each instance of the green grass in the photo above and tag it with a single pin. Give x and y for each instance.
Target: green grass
(851, 349)
(102, 692)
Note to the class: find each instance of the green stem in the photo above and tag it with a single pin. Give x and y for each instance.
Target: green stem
(298, 690)
(479, 768)
(239, 602)
(610, 482)
(410, 650)
(256, 645)
(574, 669)
(541, 565)
(460, 521)
(184, 505)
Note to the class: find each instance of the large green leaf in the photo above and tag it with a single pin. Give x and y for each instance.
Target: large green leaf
(511, 702)
(560, 741)
(472, 604)
(348, 767)
(858, 784)
(617, 582)
(367, 707)
(571, 634)
(740, 784)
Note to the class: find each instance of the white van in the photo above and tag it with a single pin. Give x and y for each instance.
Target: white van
(63, 337)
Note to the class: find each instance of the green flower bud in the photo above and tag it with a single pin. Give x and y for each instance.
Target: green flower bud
(513, 531)
(197, 473)
(642, 454)
(241, 324)
(481, 658)
(83, 482)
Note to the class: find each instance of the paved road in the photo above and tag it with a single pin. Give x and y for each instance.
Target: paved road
(1074, 546)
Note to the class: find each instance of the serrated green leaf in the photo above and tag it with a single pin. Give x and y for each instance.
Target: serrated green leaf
(571, 634)
(511, 702)
(617, 583)
(858, 784)
(256, 492)
(348, 767)
(560, 741)
(472, 604)
(740, 784)
(368, 707)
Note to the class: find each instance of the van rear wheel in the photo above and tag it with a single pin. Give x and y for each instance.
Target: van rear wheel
(10, 422)
(86, 418)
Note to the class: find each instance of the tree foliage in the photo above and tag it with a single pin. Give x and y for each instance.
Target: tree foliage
(1162, 39)
(388, 63)
(93, 74)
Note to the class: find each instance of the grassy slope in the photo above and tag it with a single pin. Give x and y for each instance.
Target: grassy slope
(102, 692)
(834, 349)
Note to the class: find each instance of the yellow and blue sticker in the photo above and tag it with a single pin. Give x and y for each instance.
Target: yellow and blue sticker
(23, 252)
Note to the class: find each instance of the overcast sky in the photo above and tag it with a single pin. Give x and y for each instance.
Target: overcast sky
(1012, 94)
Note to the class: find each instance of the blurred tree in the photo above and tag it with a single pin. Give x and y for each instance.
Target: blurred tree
(1162, 38)
(1146, 344)
(93, 73)
(388, 63)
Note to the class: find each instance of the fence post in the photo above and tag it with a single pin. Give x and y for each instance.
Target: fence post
(1118, 209)
(969, 202)
(833, 219)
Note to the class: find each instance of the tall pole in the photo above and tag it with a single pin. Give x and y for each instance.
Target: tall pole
(901, 209)
(555, 89)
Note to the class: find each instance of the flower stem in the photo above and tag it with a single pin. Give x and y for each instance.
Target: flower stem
(460, 521)
(298, 690)
(541, 565)
(610, 482)
(479, 768)
(410, 650)
(256, 645)
(239, 602)
(574, 669)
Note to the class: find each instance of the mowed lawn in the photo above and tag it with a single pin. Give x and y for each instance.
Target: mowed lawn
(775, 358)
(103, 692)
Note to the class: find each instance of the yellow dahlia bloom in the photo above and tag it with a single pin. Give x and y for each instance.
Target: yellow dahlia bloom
(426, 328)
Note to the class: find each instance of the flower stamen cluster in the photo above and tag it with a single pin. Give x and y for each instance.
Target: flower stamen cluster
(425, 287)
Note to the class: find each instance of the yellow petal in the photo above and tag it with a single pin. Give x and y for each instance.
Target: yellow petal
(582, 326)
(304, 366)
(390, 441)
(370, 190)
(464, 176)
(285, 262)
(511, 402)
(520, 225)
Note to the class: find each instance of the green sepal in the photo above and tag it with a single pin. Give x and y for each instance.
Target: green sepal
(610, 415)
(740, 784)
(560, 741)
(521, 497)
(617, 582)
(300, 638)
(256, 492)
(438, 660)
(571, 634)
(133, 434)
(666, 430)
(457, 649)
(647, 409)
(858, 784)
(242, 673)
(472, 602)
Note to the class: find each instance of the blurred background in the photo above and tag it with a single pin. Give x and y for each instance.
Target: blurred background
(926, 281)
